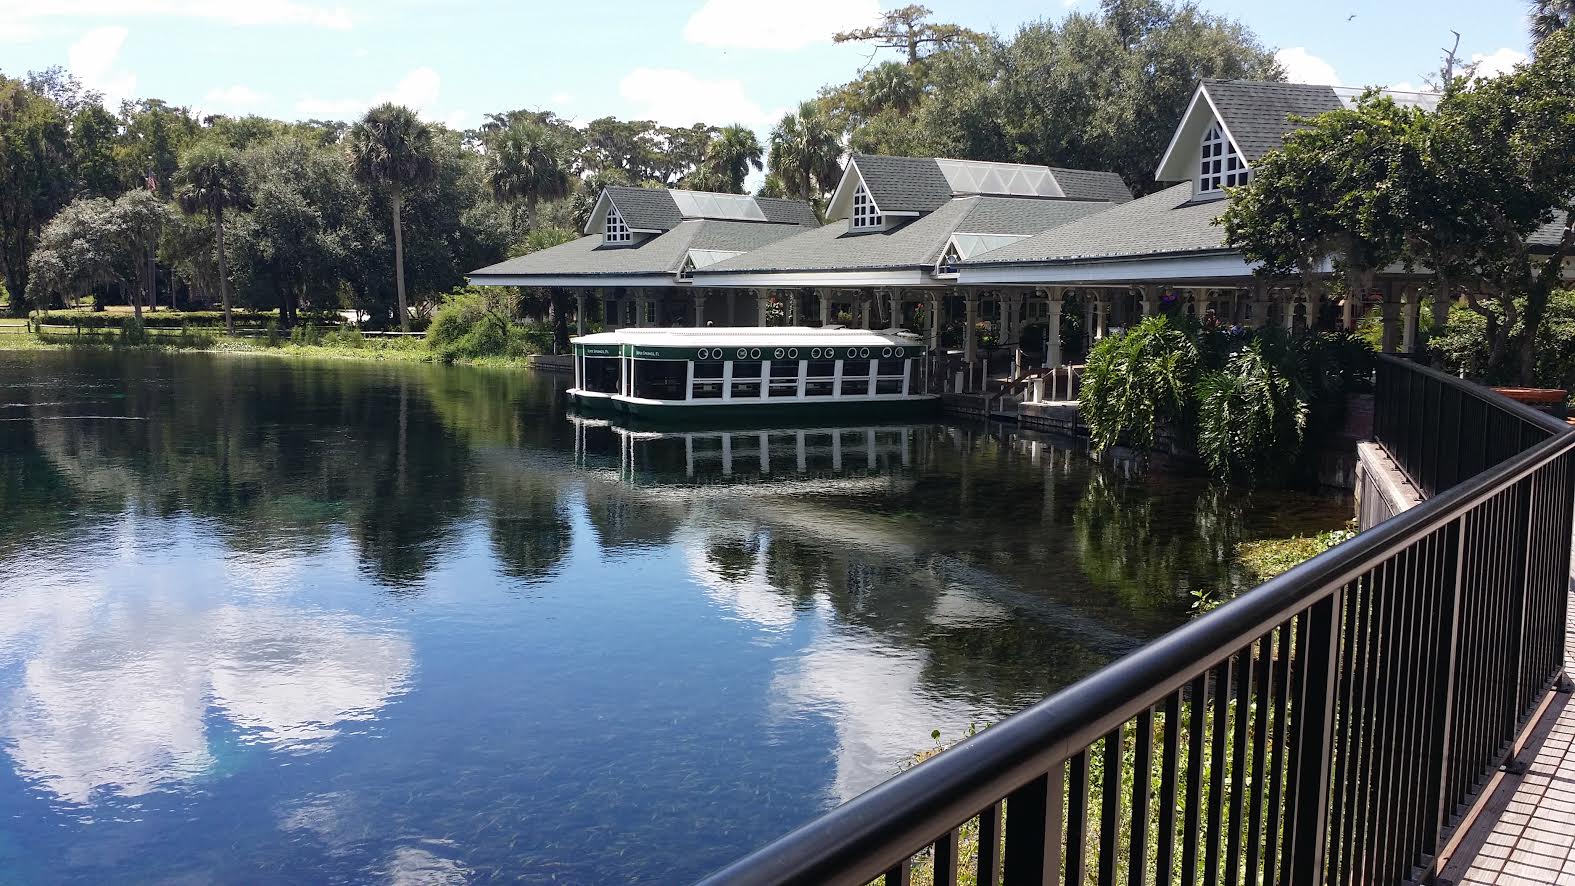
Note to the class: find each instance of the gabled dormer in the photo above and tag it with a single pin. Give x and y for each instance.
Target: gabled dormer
(1230, 124)
(882, 193)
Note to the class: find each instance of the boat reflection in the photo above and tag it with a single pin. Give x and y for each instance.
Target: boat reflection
(654, 455)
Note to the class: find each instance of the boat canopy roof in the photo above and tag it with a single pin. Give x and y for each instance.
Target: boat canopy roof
(754, 337)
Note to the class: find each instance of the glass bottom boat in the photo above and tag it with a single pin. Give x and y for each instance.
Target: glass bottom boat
(752, 372)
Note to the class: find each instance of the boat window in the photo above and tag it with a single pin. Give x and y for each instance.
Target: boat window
(784, 378)
(888, 386)
(706, 388)
(822, 369)
(660, 379)
(819, 387)
(746, 378)
(709, 368)
(855, 378)
(601, 375)
(890, 367)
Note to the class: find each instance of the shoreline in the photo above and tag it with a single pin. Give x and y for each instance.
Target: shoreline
(373, 350)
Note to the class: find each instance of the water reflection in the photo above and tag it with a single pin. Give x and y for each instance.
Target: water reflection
(116, 695)
(414, 624)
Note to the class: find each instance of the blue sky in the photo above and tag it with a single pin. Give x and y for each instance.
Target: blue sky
(676, 61)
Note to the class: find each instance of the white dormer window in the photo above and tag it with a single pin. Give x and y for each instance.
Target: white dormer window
(1221, 167)
(866, 215)
(949, 260)
(615, 230)
(686, 271)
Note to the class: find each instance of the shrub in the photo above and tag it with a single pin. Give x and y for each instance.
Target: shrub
(345, 337)
(1463, 346)
(1135, 380)
(132, 332)
(1251, 416)
(472, 325)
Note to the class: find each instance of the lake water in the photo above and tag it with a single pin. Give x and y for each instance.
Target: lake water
(267, 621)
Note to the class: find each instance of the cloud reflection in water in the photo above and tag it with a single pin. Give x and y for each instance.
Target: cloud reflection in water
(113, 695)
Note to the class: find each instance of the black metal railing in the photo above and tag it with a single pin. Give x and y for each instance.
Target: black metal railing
(1329, 726)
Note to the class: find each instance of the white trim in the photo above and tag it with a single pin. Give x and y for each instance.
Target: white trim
(1175, 137)
(622, 233)
(1159, 269)
(891, 277)
(601, 281)
(867, 217)
(835, 211)
(594, 221)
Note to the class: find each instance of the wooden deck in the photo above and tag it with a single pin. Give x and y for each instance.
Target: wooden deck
(1526, 832)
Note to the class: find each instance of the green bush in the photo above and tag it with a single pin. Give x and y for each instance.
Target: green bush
(345, 337)
(1252, 417)
(1247, 400)
(1463, 346)
(474, 325)
(1136, 380)
(133, 332)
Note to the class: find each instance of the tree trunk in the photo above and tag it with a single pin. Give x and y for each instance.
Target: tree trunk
(224, 273)
(530, 214)
(16, 285)
(399, 265)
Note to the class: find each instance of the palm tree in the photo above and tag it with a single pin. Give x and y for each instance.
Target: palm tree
(391, 150)
(891, 85)
(525, 162)
(209, 180)
(804, 152)
(730, 156)
(1549, 16)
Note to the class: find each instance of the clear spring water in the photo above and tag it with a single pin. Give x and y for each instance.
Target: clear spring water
(268, 621)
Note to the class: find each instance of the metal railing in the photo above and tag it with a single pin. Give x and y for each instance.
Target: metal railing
(1329, 726)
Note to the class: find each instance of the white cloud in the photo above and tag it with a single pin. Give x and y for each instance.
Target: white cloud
(417, 90)
(235, 98)
(1500, 61)
(18, 18)
(1302, 66)
(559, 99)
(744, 24)
(92, 58)
(679, 98)
(1408, 86)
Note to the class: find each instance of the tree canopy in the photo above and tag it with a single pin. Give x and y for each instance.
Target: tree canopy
(1456, 193)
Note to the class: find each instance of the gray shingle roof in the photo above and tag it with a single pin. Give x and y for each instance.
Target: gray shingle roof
(1084, 184)
(1162, 223)
(914, 245)
(662, 254)
(1258, 113)
(646, 209)
(788, 212)
(1548, 235)
(904, 184)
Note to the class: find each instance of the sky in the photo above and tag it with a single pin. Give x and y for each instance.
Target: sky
(674, 61)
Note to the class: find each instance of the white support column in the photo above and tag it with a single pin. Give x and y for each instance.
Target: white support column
(825, 307)
(1260, 306)
(1391, 319)
(794, 297)
(579, 312)
(699, 300)
(1055, 299)
(895, 296)
(639, 310)
(762, 306)
(867, 310)
(1150, 300)
(1348, 312)
(1442, 299)
(1412, 318)
(971, 331)
(1101, 313)
(935, 305)
(732, 307)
